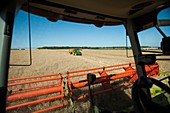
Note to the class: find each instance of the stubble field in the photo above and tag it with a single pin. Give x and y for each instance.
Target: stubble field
(58, 61)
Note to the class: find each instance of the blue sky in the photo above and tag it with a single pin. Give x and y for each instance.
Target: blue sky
(61, 33)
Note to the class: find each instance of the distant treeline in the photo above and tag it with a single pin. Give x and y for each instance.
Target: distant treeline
(18, 49)
(68, 47)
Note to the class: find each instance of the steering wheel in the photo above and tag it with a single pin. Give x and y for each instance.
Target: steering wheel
(143, 103)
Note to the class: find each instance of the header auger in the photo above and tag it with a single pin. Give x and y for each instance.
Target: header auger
(34, 90)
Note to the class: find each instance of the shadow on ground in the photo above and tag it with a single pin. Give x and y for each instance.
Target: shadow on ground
(118, 100)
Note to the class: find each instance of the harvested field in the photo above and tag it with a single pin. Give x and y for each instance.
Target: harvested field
(60, 61)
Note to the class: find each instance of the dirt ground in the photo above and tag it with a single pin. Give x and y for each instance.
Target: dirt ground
(59, 61)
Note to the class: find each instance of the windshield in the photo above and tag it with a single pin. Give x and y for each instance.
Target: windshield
(62, 54)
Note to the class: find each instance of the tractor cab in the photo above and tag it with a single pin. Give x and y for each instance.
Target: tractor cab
(135, 15)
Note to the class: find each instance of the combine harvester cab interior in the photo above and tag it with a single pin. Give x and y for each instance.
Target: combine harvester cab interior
(135, 15)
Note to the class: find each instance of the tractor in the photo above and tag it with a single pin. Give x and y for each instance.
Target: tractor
(75, 51)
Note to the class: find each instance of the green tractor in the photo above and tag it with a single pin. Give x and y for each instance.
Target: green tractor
(75, 51)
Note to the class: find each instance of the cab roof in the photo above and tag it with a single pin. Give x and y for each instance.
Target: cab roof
(97, 12)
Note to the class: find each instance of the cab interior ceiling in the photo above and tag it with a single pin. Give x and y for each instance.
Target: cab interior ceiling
(100, 12)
